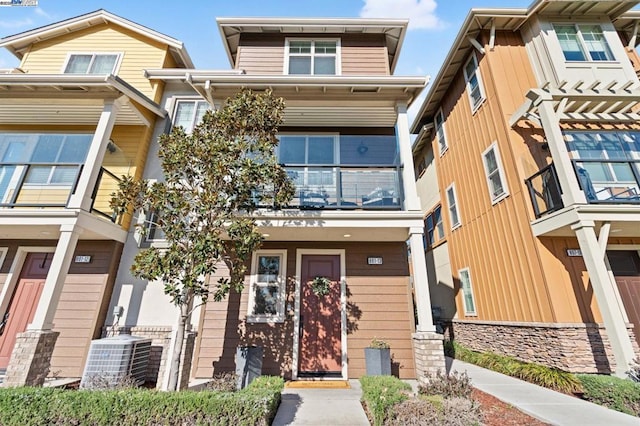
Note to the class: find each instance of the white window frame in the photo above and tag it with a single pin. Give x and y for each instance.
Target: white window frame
(583, 44)
(114, 71)
(282, 287)
(458, 224)
(467, 79)
(441, 132)
(467, 311)
(174, 110)
(3, 255)
(338, 54)
(500, 171)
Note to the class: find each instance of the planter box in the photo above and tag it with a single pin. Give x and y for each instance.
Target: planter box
(248, 364)
(378, 361)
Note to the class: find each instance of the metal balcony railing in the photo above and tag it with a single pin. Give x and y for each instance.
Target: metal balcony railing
(106, 186)
(545, 191)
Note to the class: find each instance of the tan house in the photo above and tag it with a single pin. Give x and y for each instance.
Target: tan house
(528, 161)
(345, 141)
(75, 115)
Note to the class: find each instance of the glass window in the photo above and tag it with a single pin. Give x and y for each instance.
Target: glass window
(467, 293)
(312, 57)
(91, 63)
(453, 207)
(440, 134)
(57, 148)
(474, 83)
(434, 226)
(189, 113)
(583, 43)
(267, 286)
(494, 172)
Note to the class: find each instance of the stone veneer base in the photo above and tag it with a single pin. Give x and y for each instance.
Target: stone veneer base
(31, 358)
(428, 352)
(577, 348)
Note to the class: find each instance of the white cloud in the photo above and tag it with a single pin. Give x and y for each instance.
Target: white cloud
(421, 13)
(41, 12)
(16, 23)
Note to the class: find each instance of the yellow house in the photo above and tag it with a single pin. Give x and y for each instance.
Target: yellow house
(528, 155)
(77, 114)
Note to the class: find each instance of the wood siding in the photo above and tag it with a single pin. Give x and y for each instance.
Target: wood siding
(495, 241)
(378, 305)
(265, 54)
(138, 53)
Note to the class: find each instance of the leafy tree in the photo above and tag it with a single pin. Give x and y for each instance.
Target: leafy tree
(214, 179)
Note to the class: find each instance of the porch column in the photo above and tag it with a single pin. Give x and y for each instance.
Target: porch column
(43, 318)
(614, 321)
(411, 200)
(571, 193)
(420, 280)
(81, 198)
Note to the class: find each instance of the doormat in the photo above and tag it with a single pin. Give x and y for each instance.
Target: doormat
(318, 384)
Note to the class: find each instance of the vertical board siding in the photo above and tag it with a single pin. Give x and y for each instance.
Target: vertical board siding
(495, 241)
(379, 305)
(138, 53)
(265, 54)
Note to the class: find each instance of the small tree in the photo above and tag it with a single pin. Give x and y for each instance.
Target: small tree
(214, 179)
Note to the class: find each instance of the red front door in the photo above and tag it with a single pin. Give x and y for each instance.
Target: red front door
(24, 301)
(320, 318)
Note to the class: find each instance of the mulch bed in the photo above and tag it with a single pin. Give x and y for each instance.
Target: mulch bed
(498, 413)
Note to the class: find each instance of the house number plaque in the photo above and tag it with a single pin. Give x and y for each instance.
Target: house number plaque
(374, 260)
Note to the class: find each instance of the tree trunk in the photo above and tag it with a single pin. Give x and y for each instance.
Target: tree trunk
(174, 369)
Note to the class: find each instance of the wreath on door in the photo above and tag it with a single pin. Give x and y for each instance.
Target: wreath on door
(321, 286)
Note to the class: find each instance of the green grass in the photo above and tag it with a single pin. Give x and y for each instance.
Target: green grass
(255, 405)
(381, 393)
(612, 392)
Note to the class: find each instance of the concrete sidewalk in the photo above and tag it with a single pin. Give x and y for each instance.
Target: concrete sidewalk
(544, 404)
(322, 407)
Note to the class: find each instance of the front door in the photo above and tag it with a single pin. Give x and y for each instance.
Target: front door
(625, 266)
(320, 318)
(23, 302)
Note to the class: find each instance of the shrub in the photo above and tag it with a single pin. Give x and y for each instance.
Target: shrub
(634, 370)
(451, 385)
(613, 392)
(223, 382)
(255, 405)
(549, 377)
(445, 412)
(380, 394)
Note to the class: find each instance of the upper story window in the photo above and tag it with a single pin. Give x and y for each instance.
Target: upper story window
(434, 226)
(452, 200)
(312, 57)
(421, 166)
(495, 173)
(189, 112)
(438, 121)
(474, 83)
(583, 43)
(268, 286)
(91, 63)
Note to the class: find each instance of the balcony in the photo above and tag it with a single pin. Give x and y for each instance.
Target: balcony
(545, 191)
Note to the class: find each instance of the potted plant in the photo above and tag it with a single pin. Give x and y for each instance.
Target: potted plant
(377, 358)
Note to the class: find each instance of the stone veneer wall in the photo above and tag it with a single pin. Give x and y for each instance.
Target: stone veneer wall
(577, 348)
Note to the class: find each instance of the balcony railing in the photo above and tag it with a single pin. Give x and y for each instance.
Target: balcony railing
(610, 181)
(545, 191)
(37, 185)
(106, 185)
(346, 187)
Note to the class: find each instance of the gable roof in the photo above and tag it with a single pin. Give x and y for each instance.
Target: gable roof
(394, 30)
(18, 43)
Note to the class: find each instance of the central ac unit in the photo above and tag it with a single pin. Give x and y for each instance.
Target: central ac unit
(116, 359)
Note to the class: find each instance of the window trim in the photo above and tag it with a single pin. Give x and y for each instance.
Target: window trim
(441, 149)
(3, 255)
(313, 40)
(175, 101)
(467, 79)
(467, 312)
(500, 171)
(457, 225)
(438, 236)
(583, 44)
(114, 71)
(282, 284)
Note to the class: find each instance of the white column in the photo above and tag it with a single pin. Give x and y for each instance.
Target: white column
(614, 321)
(411, 200)
(81, 198)
(43, 318)
(420, 280)
(571, 193)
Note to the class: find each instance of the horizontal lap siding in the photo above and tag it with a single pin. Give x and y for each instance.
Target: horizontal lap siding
(364, 56)
(379, 305)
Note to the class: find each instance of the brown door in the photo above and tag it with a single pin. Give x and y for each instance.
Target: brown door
(626, 269)
(320, 318)
(24, 301)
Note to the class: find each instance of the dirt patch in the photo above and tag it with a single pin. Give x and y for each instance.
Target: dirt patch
(498, 413)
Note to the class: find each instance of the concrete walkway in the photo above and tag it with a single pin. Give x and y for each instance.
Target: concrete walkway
(322, 407)
(544, 404)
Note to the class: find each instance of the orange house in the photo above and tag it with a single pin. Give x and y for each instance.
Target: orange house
(528, 167)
